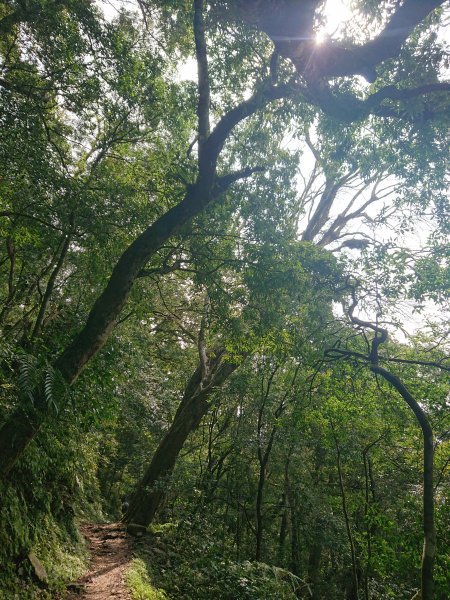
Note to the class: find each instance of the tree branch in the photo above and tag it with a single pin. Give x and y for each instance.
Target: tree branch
(223, 183)
(337, 61)
(259, 100)
(160, 270)
(336, 353)
(390, 92)
(203, 79)
(290, 27)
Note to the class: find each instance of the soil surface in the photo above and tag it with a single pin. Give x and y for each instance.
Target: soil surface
(110, 548)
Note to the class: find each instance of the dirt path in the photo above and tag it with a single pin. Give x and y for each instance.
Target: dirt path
(110, 548)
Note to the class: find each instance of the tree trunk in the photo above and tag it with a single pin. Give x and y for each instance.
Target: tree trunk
(148, 496)
(429, 531)
(263, 458)
(25, 422)
(294, 527)
(369, 527)
(369, 497)
(194, 405)
(315, 557)
(258, 512)
(50, 286)
(353, 591)
(283, 531)
(295, 542)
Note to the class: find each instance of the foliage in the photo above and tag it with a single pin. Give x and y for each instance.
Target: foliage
(306, 468)
(55, 539)
(190, 562)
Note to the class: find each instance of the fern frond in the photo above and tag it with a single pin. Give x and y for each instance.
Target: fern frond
(28, 374)
(49, 381)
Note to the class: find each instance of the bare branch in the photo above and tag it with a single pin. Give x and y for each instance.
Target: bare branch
(322, 211)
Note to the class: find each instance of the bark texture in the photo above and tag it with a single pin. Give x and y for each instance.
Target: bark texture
(193, 407)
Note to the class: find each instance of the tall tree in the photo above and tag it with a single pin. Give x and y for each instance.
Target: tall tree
(316, 69)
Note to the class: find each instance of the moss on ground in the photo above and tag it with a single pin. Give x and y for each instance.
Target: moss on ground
(138, 581)
(62, 552)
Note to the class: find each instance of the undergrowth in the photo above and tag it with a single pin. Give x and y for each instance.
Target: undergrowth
(62, 552)
(50, 487)
(189, 563)
(139, 583)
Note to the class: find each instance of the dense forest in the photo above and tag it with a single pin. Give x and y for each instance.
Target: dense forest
(225, 284)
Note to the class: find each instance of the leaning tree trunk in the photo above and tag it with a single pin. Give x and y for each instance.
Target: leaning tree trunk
(194, 405)
(25, 422)
(150, 492)
(429, 542)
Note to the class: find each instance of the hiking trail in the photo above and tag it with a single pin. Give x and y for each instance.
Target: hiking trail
(110, 548)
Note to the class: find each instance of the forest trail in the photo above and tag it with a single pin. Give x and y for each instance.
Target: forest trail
(110, 548)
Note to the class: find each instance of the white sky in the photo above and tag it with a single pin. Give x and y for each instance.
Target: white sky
(337, 13)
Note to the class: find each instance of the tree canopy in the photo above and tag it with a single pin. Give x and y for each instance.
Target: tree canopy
(225, 289)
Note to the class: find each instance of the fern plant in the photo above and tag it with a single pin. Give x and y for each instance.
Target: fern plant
(28, 374)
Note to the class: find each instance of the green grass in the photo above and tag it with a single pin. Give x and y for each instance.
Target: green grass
(138, 581)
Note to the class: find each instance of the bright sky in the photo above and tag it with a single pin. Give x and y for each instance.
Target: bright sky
(337, 12)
